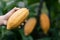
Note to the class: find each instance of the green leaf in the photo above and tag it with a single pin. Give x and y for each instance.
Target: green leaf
(25, 37)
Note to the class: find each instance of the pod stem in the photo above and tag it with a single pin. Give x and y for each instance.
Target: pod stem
(40, 7)
(39, 11)
(35, 33)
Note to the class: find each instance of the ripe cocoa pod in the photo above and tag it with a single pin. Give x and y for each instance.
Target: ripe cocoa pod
(44, 22)
(17, 18)
(29, 26)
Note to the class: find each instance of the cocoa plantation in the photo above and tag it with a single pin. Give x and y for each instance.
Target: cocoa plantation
(29, 19)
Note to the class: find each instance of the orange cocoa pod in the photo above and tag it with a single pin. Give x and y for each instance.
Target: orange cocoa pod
(29, 26)
(44, 22)
(17, 18)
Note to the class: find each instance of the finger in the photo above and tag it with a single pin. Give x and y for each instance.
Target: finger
(5, 22)
(10, 12)
(15, 9)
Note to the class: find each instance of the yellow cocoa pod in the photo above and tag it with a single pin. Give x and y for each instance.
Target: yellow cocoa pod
(29, 26)
(17, 18)
(44, 22)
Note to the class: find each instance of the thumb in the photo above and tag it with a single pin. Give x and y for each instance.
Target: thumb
(5, 22)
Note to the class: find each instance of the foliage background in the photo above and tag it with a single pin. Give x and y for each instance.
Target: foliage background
(49, 6)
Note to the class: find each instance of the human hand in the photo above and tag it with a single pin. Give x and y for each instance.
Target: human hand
(4, 18)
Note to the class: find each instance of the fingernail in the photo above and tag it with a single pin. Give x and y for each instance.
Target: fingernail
(14, 7)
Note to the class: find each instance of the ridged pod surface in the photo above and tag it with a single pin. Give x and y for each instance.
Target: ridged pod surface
(29, 26)
(17, 18)
(44, 22)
